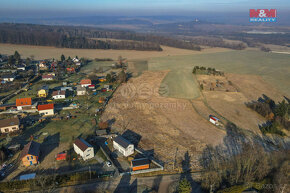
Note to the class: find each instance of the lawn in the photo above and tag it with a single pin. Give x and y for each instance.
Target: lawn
(273, 67)
(32, 92)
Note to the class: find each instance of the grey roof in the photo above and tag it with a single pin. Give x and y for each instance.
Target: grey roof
(32, 148)
(101, 132)
(140, 162)
(122, 141)
(8, 76)
(9, 122)
(80, 88)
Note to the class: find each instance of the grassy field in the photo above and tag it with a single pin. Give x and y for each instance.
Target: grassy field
(181, 84)
(274, 68)
(42, 52)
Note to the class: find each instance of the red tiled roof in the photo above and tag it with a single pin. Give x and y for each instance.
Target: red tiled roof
(61, 156)
(70, 69)
(23, 101)
(82, 144)
(214, 118)
(86, 81)
(45, 107)
(47, 76)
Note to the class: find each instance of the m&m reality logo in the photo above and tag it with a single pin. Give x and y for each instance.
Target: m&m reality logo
(263, 15)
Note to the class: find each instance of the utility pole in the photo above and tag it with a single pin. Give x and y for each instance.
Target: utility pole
(90, 172)
(211, 189)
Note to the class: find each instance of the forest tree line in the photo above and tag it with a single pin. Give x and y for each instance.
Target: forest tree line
(243, 163)
(277, 114)
(82, 37)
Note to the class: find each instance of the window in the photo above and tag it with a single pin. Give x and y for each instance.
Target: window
(13, 128)
(31, 157)
(27, 157)
(6, 130)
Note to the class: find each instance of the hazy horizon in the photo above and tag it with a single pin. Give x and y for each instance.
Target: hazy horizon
(69, 8)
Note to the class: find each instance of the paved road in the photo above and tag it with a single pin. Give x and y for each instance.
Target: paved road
(130, 184)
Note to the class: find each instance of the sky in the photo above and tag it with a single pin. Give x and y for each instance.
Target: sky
(41, 8)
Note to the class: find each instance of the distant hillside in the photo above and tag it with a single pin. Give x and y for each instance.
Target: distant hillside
(81, 37)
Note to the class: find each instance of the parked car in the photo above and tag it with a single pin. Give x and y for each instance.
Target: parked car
(108, 163)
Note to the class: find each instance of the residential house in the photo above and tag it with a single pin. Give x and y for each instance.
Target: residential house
(43, 92)
(51, 73)
(59, 94)
(71, 70)
(100, 132)
(85, 82)
(140, 164)
(47, 77)
(123, 146)
(81, 90)
(23, 103)
(214, 120)
(46, 109)
(67, 88)
(4, 107)
(9, 125)
(75, 60)
(30, 153)
(91, 86)
(102, 79)
(108, 87)
(83, 148)
(43, 65)
(8, 77)
(21, 67)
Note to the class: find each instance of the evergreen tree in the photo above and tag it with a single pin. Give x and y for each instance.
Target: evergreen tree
(109, 77)
(282, 109)
(17, 57)
(27, 61)
(184, 186)
(11, 60)
(62, 58)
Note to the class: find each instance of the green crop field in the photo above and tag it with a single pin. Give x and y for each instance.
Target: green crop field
(181, 84)
(273, 67)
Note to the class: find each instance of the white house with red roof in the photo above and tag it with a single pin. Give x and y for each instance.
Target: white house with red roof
(46, 110)
(85, 82)
(83, 148)
(214, 120)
